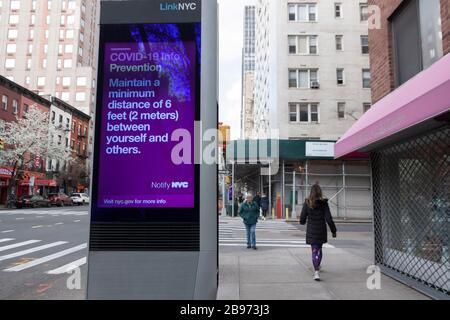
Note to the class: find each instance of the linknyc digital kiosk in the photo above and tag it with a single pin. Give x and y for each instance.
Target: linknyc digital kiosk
(153, 231)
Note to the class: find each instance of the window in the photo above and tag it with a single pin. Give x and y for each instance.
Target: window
(31, 34)
(364, 11)
(302, 45)
(12, 34)
(15, 106)
(302, 12)
(41, 81)
(338, 10)
(32, 19)
(81, 81)
(80, 96)
(366, 78)
(417, 37)
(60, 119)
(366, 106)
(15, 4)
(304, 112)
(65, 96)
(26, 108)
(30, 48)
(44, 63)
(27, 80)
(69, 34)
(293, 113)
(5, 102)
(68, 48)
(67, 63)
(341, 110)
(70, 20)
(365, 44)
(53, 118)
(303, 78)
(339, 43)
(67, 142)
(13, 19)
(11, 48)
(10, 63)
(66, 81)
(340, 77)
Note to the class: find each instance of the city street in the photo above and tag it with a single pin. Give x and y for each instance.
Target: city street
(36, 245)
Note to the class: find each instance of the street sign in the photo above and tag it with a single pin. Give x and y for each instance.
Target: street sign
(320, 149)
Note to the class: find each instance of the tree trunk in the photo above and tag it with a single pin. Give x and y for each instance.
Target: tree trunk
(11, 194)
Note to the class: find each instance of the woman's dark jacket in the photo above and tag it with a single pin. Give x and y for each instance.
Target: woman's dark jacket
(317, 219)
(265, 203)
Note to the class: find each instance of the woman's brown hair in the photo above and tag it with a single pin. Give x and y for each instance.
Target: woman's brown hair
(316, 194)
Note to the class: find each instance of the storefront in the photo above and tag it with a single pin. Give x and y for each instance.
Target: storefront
(408, 136)
(5, 175)
(285, 170)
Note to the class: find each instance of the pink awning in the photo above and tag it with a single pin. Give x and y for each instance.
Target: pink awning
(423, 97)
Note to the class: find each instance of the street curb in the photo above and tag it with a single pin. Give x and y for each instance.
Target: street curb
(340, 221)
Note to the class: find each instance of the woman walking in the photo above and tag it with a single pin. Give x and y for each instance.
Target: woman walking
(316, 214)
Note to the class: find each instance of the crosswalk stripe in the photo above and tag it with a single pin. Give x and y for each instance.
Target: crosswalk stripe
(24, 252)
(46, 258)
(68, 267)
(273, 245)
(270, 241)
(7, 239)
(19, 244)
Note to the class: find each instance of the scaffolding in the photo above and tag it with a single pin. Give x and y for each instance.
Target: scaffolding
(346, 183)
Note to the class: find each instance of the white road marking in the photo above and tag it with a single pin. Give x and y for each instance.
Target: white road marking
(24, 252)
(273, 245)
(19, 244)
(46, 258)
(68, 267)
(268, 240)
(7, 231)
(59, 223)
(7, 239)
(35, 227)
(20, 218)
(76, 220)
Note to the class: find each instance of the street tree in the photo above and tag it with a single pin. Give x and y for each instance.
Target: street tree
(25, 139)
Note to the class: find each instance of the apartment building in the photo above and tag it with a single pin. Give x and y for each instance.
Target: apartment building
(49, 47)
(248, 73)
(312, 68)
(312, 82)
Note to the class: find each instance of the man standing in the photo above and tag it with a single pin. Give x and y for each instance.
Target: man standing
(249, 212)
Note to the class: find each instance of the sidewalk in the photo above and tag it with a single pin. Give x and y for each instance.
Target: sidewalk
(286, 273)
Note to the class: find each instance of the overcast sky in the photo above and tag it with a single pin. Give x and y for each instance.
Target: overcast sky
(230, 61)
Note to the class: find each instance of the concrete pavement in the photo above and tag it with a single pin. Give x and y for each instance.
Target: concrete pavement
(36, 243)
(285, 273)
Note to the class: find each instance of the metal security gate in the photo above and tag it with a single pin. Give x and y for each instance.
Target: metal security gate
(412, 211)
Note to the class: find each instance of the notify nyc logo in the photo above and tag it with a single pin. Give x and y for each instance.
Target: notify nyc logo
(183, 6)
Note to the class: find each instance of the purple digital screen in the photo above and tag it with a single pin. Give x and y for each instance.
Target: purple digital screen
(147, 125)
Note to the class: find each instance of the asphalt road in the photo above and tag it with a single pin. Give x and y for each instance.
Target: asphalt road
(39, 248)
(35, 244)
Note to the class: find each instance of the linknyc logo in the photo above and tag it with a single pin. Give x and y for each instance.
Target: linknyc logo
(184, 6)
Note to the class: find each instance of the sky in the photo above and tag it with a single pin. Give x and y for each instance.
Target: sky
(231, 23)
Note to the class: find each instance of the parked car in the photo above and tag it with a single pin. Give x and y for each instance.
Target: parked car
(60, 199)
(33, 202)
(80, 198)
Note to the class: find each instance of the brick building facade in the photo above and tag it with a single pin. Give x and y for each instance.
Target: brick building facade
(15, 101)
(381, 46)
